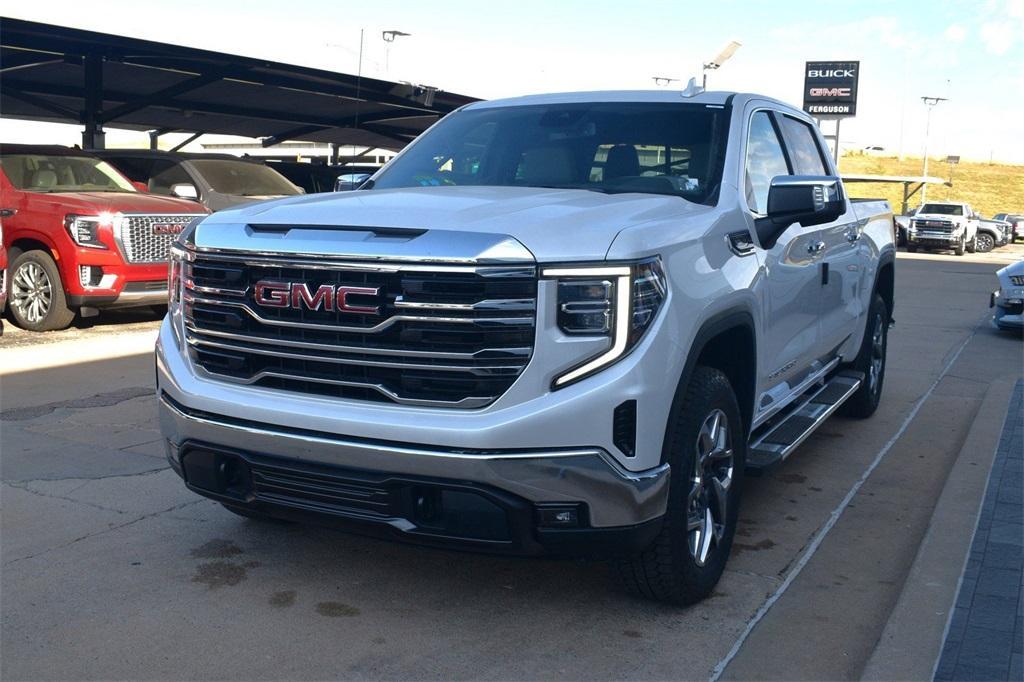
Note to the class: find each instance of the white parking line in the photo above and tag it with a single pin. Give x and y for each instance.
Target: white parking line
(716, 673)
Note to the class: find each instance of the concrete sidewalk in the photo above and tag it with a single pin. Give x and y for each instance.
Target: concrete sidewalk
(985, 640)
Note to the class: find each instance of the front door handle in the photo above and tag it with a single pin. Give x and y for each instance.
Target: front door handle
(815, 247)
(7, 212)
(852, 236)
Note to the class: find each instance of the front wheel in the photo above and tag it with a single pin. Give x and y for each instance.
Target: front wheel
(37, 299)
(961, 247)
(972, 245)
(984, 242)
(871, 362)
(706, 453)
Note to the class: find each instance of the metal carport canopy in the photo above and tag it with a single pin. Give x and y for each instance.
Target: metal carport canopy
(912, 184)
(66, 75)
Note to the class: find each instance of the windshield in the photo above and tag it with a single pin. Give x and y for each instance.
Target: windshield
(242, 178)
(651, 148)
(43, 173)
(942, 209)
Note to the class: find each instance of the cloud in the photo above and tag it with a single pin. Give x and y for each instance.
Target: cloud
(997, 37)
(956, 33)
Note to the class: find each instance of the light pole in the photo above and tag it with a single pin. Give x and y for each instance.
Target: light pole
(389, 37)
(929, 102)
(722, 56)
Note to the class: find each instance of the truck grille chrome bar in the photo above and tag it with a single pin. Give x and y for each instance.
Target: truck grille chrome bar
(441, 337)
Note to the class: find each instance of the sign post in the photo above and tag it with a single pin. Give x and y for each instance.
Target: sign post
(830, 93)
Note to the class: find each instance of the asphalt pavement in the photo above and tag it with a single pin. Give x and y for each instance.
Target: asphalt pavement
(112, 569)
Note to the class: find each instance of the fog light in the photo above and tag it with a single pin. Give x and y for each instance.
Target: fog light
(559, 516)
(89, 275)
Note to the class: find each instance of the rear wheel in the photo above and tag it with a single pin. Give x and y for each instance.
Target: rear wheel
(36, 297)
(871, 362)
(984, 242)
(706, 452)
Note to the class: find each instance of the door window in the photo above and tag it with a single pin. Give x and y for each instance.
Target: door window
(765, 160)
(803, 147)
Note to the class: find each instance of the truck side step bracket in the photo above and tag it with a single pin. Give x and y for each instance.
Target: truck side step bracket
(770, 447)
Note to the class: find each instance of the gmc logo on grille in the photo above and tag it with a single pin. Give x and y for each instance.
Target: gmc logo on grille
(326, 297)
(168, 228)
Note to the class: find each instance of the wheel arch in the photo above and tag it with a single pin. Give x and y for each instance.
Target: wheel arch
(726, 341)
(22, 244)
(885, 281)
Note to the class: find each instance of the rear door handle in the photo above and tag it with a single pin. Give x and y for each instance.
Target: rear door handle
(7, 212)
(815, 247)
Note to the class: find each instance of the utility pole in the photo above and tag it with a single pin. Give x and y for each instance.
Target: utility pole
(929, 102)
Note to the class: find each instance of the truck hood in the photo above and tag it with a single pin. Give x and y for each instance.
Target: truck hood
(554, 224)
(91, 203)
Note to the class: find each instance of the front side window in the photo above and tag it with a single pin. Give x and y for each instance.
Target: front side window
(803, 148)
(673, 149)
(58, 173)
(765, 160)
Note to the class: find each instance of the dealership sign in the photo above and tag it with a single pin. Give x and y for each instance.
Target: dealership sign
(830, 88)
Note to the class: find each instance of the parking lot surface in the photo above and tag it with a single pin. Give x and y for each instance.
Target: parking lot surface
(112, 569)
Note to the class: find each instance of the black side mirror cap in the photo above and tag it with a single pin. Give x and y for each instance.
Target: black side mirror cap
(805, 199)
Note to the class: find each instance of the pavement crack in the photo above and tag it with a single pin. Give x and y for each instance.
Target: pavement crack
(88, 479)
(40, 493)
(109, 529)
(98, 400)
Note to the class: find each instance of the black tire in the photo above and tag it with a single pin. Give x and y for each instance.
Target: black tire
(961, 248)
(670, 570)
(972, 246)
(871, 362)
(911, 248)
(36, 295)
(984, 242)
(254, 515)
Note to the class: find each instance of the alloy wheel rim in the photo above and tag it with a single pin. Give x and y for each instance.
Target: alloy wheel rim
(877, 354)
(31, 292)
(985, 242)
(710, 483)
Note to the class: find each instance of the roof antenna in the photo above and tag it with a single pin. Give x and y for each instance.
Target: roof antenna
(692, 89)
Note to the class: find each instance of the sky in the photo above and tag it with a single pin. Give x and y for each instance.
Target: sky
(969, 52)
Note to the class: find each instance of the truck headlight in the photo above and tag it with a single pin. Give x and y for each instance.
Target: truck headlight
(177, 262)
(617, 301)
(85, 229)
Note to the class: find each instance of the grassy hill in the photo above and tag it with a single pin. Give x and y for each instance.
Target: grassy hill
(990, 188)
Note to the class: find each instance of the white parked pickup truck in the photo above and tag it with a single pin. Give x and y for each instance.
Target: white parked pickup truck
(947, 225)
(562, 324)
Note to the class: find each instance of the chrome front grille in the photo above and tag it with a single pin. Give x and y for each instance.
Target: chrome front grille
(148, 238)
(943, 226)
(446, 336)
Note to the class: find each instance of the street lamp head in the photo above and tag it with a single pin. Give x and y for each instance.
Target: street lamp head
(389, 36)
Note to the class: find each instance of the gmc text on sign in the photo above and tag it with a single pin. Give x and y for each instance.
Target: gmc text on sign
(830, 88)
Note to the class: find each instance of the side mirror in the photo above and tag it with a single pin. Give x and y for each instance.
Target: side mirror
(805, 199)
(350, 181)
(185, 190)
(141, 186)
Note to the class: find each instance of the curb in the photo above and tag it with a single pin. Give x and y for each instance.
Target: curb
(911, 642)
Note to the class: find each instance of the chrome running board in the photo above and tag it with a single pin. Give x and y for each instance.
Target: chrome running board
(777, 440)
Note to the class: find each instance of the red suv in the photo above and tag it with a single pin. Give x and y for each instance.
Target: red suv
(81, 236)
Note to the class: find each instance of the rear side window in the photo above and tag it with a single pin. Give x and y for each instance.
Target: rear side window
(135, 169)
(765, 160)
(803, 147)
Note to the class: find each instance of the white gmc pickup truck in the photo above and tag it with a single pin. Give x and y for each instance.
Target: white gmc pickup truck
(563, 324)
